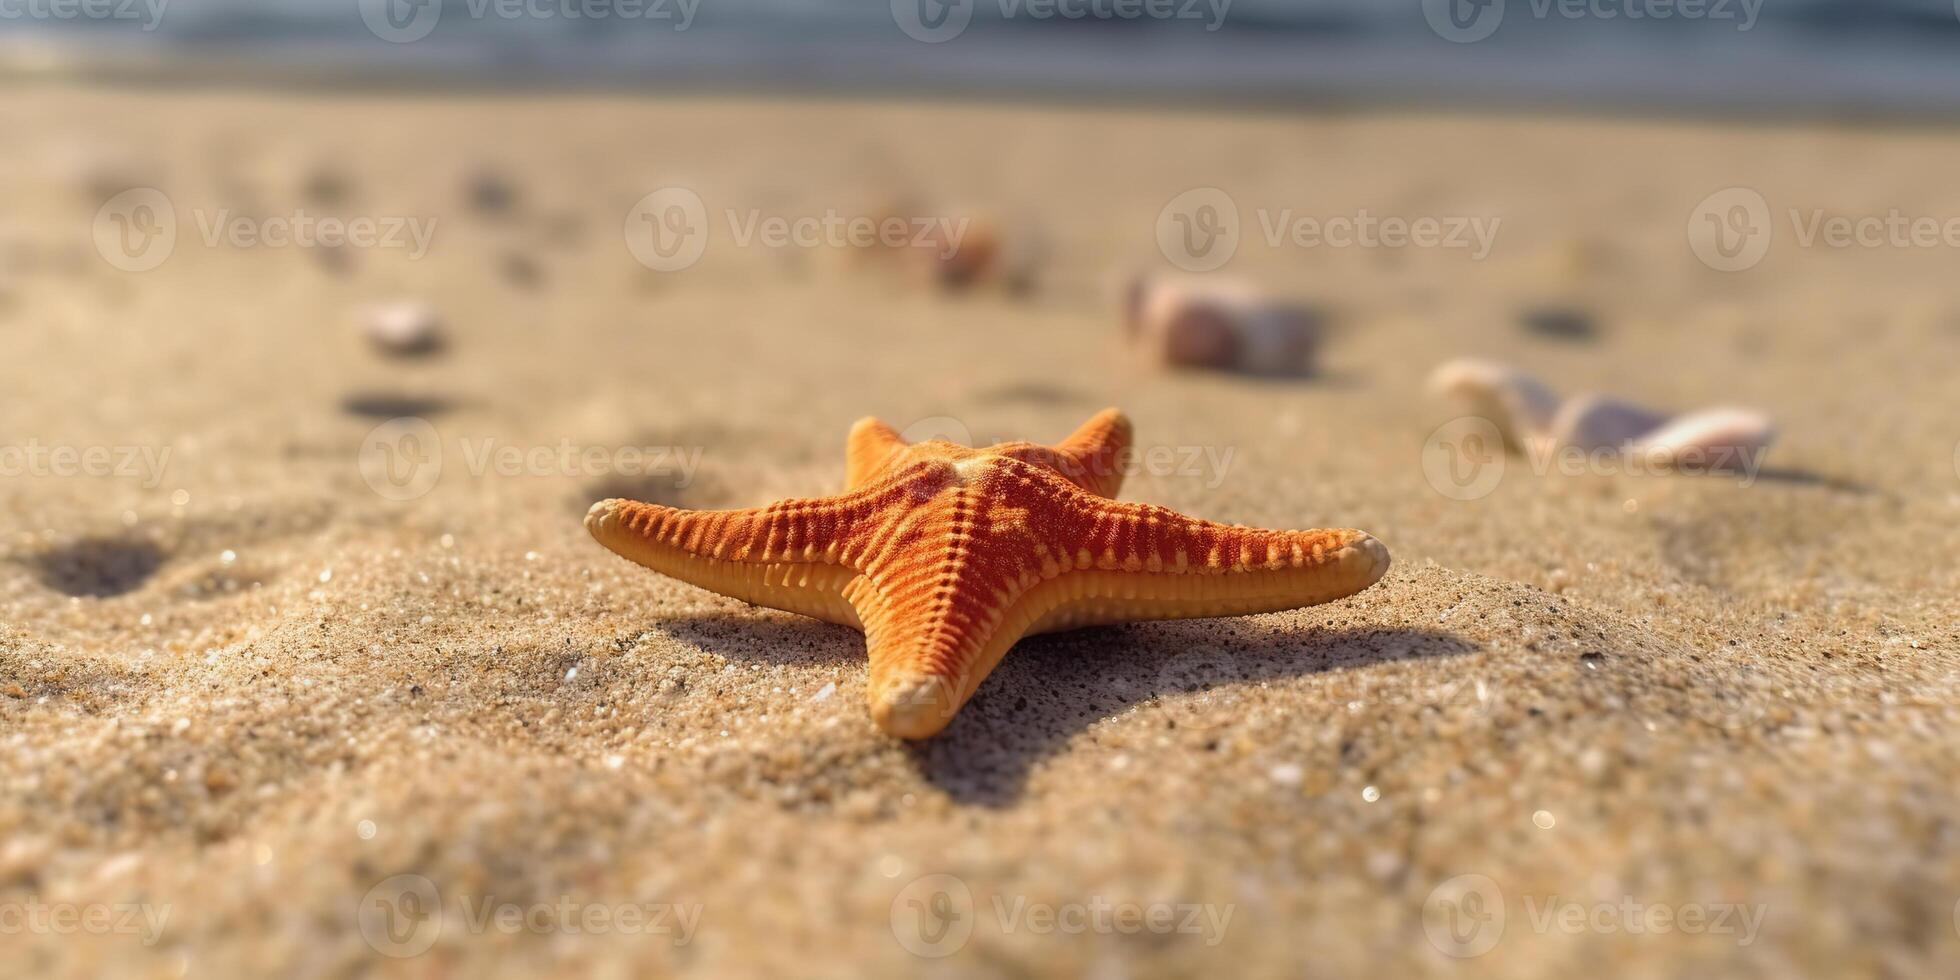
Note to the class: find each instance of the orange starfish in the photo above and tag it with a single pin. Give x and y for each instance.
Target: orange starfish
(945, 556)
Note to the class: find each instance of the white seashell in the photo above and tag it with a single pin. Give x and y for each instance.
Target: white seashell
(403, 329)
(1521, 406)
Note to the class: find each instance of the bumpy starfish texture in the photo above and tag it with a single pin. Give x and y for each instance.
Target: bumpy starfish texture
(944, 556)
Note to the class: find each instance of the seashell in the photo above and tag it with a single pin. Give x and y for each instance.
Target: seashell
(1220, 324)
(1521, 406)
(403, 329)
(1595, 421)
(1715, 440)
(1712, 440)
(962, 257)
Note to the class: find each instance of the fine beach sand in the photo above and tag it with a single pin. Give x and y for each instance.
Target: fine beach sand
(256, 691)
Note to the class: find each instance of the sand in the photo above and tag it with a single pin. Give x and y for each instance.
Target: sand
(1681, 726)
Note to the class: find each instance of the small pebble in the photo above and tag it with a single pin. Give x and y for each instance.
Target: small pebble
(403, 329)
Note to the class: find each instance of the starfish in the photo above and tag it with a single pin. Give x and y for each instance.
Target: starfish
(945, 555)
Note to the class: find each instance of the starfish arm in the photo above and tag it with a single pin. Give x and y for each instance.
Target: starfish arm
(1131, 562)
(871, 445)
(1097, 448)
(785, 556)
(1092, 457)
(910, 688)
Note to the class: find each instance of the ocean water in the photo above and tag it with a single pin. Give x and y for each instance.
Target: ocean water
(1836, 57)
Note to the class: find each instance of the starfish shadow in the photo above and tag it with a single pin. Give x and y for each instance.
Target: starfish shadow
(1049, 688)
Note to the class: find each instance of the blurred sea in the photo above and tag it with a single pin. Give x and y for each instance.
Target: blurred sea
(1804, 57)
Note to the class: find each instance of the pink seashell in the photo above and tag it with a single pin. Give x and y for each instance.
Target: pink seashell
(1220, 324)
(1715, 440)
